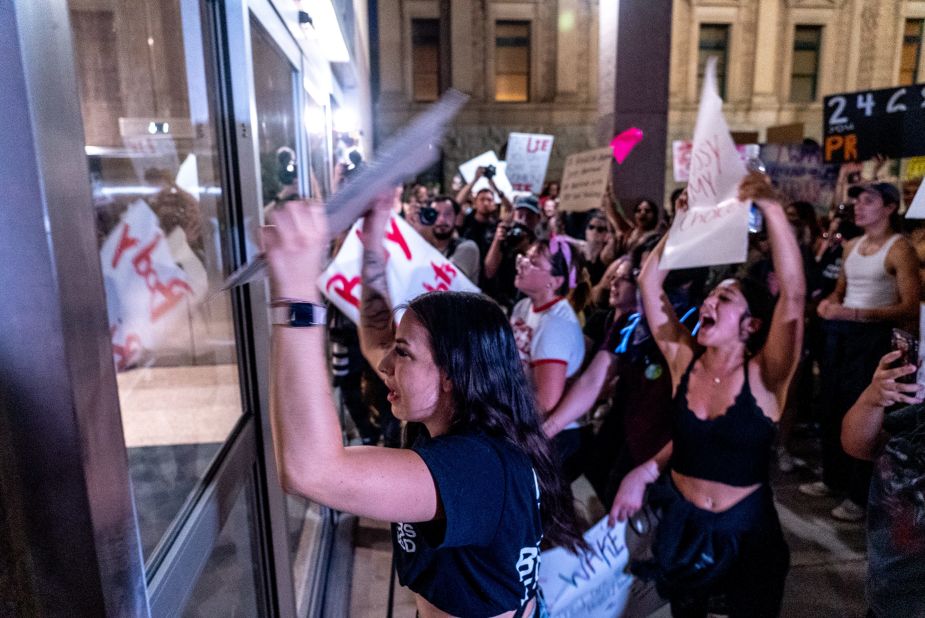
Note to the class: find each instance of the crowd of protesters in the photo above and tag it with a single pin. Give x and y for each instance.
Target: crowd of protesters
(680, 389)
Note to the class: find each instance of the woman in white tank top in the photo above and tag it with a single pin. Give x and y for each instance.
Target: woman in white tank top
(878, 288)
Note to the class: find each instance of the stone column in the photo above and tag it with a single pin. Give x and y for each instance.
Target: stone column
(641, 60)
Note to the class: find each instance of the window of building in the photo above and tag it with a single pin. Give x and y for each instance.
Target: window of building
(512, 61)
(425, 59)
(912, 51)
(804, 76)
(714, 41)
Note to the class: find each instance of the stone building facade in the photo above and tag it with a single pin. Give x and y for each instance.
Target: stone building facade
(855, 44)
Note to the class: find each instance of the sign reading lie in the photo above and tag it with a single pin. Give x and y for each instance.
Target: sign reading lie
(413, 267)
(860, 125)
(527, 160)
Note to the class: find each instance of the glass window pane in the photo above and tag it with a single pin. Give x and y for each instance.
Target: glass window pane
(512, 61)
(227, 585)
(714, 41)
(911, 51)
(148, 99)
(425, 59)
(802, 89)
(804, 71)
(804, 63)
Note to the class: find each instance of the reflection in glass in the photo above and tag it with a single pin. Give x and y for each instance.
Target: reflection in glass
(148, 100)
(227, 585)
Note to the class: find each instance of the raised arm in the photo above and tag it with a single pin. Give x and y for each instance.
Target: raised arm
(386, 484)
(463, 195)
(674, 341)
(377, 329)
(862, 429)
(780, 355)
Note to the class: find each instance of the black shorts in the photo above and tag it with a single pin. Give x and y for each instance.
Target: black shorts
(734, 562)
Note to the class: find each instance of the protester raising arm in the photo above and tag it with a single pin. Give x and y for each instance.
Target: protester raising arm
(386, 484)
(862, 429)
(779, 356)
(377, 329)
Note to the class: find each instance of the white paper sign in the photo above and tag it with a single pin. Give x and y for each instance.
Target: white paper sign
(467, 170)
(681, 158)
(584, 180)
(595, 584)
(917, 207)
(714, 229)
(413, 268)
(527, 160)
(146, 290)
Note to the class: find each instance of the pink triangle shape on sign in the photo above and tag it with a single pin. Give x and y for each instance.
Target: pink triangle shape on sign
(624, 143)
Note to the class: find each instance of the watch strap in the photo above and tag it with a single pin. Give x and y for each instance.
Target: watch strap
(298, 314)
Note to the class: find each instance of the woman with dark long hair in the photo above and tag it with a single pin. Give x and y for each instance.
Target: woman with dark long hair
(477, 492)
(719, 536)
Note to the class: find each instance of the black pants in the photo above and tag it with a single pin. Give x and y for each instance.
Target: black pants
(850, 354)
(570, 447)
(734, 562)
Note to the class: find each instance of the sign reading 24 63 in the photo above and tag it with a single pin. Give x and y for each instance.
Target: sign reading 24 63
(861, 125)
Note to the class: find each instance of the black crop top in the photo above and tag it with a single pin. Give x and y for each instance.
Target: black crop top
(734, 448)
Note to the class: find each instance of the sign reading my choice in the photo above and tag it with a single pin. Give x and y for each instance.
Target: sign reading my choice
(714, 228)
(860, 125)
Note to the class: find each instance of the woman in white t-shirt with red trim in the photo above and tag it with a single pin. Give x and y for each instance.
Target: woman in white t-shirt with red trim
(548, 333)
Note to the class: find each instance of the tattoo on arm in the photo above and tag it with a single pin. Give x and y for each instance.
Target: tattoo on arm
(375, 310)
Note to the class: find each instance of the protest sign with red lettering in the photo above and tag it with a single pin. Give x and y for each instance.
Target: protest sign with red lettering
(681, 154)
(527, 160)
(714, 228)
(146, 291)
(413, 267)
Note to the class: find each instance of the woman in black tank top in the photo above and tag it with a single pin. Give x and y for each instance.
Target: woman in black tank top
(719, 546)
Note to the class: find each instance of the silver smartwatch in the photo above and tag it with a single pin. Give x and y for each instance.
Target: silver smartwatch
(297, 313)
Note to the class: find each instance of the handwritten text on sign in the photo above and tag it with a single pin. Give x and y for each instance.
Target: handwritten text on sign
(527, 160)
(595, 583)
(584, 179)
(413, 267)
(702, 237)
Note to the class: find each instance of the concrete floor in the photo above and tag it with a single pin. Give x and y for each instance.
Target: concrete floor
(828, 557)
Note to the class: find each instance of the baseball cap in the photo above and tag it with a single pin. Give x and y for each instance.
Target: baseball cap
(528, 202)
(887, 192)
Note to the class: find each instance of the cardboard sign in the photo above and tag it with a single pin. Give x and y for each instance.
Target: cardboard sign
(413, 268)
(527, 160)
(858, 126)
(714, 228)
(467, 171)
(584, 180)
(596, 584)
(146, 291)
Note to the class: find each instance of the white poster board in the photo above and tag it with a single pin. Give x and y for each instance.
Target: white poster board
(527, 160)
(413, 268)
(681, 158)
(916, 209)
(714, 228)
(584, 180)
(596, 584)
(467, 171)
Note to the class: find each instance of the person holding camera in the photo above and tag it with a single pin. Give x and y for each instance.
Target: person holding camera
(480, 222)
(895, 442)
(435, 221)
(512, 238)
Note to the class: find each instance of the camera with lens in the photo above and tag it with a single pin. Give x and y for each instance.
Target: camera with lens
(516, 233)
(427, 215)
(490, 171)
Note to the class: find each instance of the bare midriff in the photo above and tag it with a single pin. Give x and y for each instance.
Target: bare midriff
(710, 495)
(426, 610)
